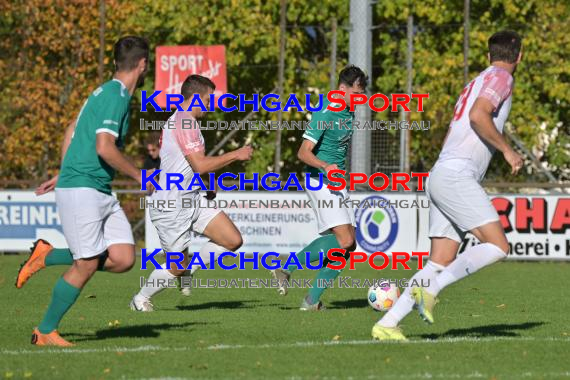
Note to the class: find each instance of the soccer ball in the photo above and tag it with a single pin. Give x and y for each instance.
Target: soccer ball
(381, 297)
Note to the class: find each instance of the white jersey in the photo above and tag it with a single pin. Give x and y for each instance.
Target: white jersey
(176, 143)
(464, 150)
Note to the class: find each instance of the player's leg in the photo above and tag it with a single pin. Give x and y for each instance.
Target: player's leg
(445, 238)
(327, 219)
(186, 283)
(442, 254)
(345, 239)
(494, 247)
(464, 202)
(42, 254)
(316, 250)
(340, 221)
(443, 250)
(222, 232)
(471, 210)
(65, 293)
(223, 236)
(173, 228)
(158, 280)
(119, 257)
(174, 233)
(82, 213)
(120, 254)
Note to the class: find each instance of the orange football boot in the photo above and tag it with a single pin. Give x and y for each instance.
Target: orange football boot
(35, 262)
(51, 339)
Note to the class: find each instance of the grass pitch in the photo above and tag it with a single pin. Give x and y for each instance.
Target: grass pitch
(509, 321)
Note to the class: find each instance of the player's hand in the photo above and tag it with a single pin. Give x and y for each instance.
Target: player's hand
(47, 186)
(210, 195)
(514, 159)
(244, 153)
(149, 189)
(330, 167)
(149, 186)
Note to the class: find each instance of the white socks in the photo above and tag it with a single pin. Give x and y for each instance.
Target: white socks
(210, 246)
(159, 279)
(405, 303)
(469, 262)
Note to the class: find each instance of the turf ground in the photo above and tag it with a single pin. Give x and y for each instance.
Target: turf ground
(507, 322)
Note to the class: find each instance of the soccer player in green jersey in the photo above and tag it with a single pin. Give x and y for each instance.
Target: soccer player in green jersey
(325, 148)
(95, 227)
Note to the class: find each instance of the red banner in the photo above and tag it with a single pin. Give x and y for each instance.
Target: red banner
(175, 63)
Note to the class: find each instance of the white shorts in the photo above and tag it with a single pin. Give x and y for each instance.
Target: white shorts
(91, 221)
(458, 203)
(329, 217)
(174, 225)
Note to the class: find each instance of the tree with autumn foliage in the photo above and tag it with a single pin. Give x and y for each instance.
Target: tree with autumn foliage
(49, 59)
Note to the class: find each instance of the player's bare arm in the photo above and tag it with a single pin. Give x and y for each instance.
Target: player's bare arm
(306, 155)
(482, 122)
(67, 138)
(108, 151)
(49, 185)
(206, 164)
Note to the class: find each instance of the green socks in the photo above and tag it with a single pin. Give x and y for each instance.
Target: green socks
(320, 283)
(59, 256)
(63, 256)
(322, 244)
(64, 295)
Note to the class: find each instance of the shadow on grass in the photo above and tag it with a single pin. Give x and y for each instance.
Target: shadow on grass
(248, 304)
(355, 303)
(502, 329)
(138, 331)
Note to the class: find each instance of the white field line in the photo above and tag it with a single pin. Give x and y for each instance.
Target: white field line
(422, 375)
(148, 348)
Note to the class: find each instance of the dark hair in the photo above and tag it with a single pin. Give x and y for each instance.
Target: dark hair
(153, 139)
(352, 75)
(196, 84)
(505, 46)
(128, 51)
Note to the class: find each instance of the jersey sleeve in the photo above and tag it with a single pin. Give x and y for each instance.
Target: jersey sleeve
(188, 136)
(316, 130)
(124, 127)
(111, 112)
(497, 87)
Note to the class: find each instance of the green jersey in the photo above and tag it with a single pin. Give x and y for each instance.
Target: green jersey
(331, 132)
(105, 111)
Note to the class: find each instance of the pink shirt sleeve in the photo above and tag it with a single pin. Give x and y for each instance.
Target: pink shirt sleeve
(188, 135)
(497, 86)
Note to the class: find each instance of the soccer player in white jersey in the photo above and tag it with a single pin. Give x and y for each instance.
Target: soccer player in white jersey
(183, 151)
(458, 203)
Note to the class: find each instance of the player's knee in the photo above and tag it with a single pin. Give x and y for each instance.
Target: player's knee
(86, 267)
(177, 272)
(442, 261)
(124, 265)
(347, 242)
(129, 263)
(500, 243)
(234, 242)
(504, 246)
